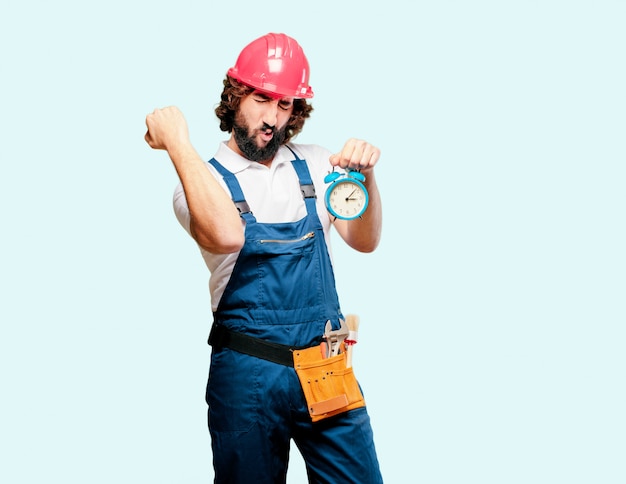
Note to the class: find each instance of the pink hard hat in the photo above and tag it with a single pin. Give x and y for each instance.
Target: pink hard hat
(276, 64)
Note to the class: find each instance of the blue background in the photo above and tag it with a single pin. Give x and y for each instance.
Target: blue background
(492, 316)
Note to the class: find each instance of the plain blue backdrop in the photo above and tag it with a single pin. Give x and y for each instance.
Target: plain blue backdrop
(492, 334)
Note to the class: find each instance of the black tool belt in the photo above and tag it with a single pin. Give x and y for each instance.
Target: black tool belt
(222, 337)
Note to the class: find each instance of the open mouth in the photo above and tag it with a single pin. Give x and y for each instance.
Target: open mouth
(267, 135)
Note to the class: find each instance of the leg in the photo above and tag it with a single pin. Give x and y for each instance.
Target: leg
(249, 436)
(339, 449)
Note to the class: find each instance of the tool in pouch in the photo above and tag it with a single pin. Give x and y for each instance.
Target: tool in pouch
(328, 383)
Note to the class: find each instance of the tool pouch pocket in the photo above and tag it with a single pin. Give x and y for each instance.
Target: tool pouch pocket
(329, 386)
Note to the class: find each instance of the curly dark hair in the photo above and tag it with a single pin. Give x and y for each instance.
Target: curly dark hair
(234, 91)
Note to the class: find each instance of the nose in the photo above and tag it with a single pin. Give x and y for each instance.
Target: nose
(270, 115)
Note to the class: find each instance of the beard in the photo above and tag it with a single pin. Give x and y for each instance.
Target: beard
(248, 145)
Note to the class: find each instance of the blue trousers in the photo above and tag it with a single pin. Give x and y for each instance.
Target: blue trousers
(256, 407)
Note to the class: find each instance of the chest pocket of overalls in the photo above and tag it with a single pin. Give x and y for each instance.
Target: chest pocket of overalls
(288, 271)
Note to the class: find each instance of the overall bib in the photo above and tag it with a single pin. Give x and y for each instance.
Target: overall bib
(282, 290)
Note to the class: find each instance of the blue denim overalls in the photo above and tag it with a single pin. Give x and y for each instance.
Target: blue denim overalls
(282, 290)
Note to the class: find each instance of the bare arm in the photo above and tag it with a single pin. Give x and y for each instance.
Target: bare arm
(215, 222)
(362, 234)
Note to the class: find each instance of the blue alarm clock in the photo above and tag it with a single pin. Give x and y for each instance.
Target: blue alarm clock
(346, 197)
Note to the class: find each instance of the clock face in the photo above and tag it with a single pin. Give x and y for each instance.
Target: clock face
(346, 199)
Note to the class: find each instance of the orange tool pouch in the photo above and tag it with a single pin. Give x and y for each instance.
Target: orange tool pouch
(329, 386)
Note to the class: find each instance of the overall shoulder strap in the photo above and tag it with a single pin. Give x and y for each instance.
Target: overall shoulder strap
(235, 190)
(306, 184)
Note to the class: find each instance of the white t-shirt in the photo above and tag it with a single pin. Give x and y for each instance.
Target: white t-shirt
(273, 195)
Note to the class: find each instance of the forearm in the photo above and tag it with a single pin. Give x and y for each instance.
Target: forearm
(214, 220)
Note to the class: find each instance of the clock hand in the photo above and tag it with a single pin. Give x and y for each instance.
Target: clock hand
(348, 197)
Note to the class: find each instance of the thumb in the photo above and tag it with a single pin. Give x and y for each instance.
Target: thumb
(148, 139)
(334, 159)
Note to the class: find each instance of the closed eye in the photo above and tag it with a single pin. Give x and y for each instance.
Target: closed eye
(284, 104)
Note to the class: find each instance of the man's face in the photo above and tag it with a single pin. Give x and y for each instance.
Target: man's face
(259, 127)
